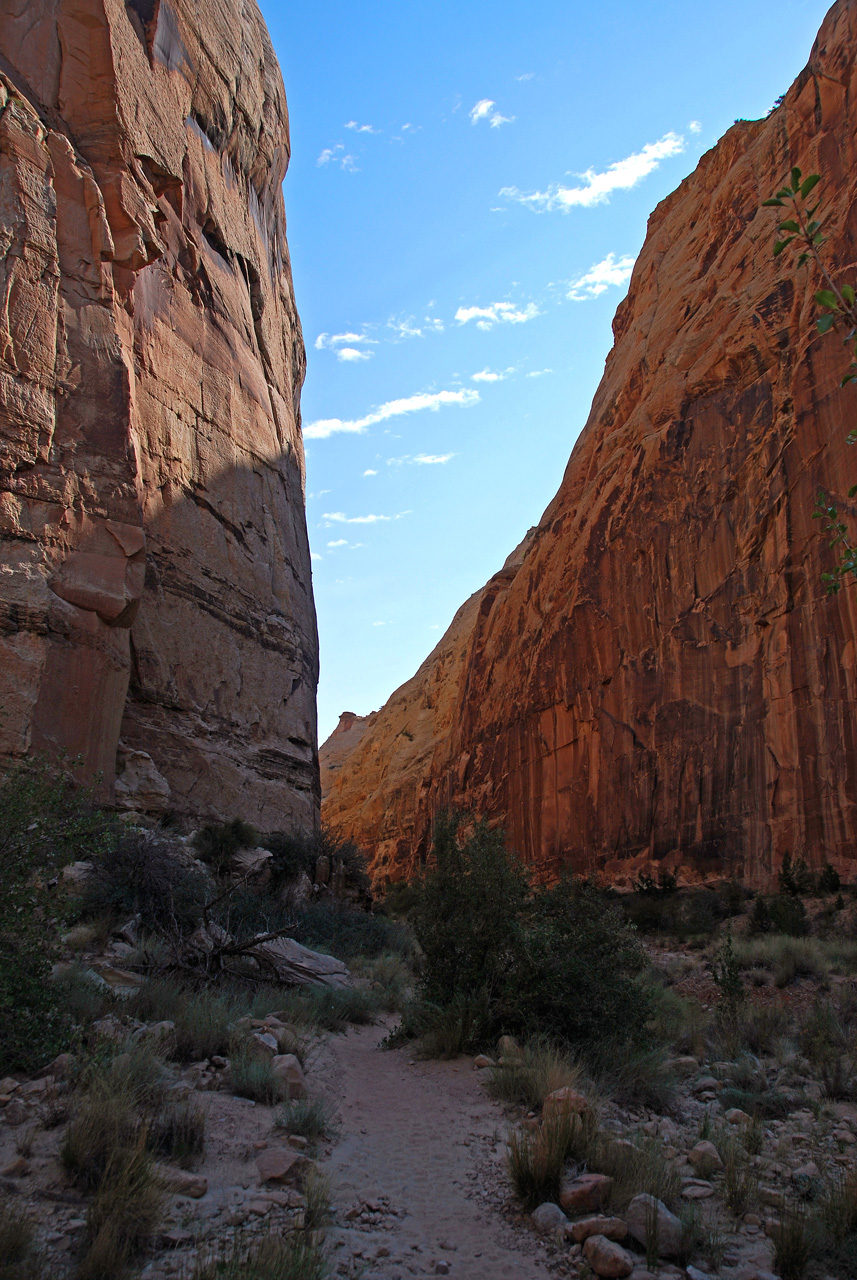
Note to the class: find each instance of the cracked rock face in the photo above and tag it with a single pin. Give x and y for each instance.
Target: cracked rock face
(661, 679)
(154, 567)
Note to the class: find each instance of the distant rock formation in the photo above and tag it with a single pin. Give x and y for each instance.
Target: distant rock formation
(662, 679)
(155, 583)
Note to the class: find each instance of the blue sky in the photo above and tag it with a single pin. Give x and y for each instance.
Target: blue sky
(469, 187)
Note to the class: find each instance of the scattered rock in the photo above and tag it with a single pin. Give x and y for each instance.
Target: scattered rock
(263, 1046)
(16, 1168)
(564, 1101)
(670, 1232)
(606, 1258)
(610, 1228)
(283, 1164)
(482, 1060)
(548, 1218)
(694, 1273)
(686, 1066)
(180, 1182)
(16, 1112)
(298, 1142)
(736, 1116)
(705, 1156)
(289, 1072)
(697, 1189)
(586, 1194)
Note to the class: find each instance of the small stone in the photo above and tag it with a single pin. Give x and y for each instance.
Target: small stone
(176, 1238)
(736, 1116)
(707, 1084)
(694, 1273)
(259, 1207)
(705, 1156)
(507, 1047)
(586, 1194)
(697, 1190)
(182, 1183)
(610, 1228)
(686, 1066)
(548, 1218)
(441, 1267)
(606, 1258)
(482, 1060)
(297, 1141)
(16, 1168)
(9, 1085)
(282, 1164)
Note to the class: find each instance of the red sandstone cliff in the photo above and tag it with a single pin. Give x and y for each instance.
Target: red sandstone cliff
(663, 678)
(155, 587)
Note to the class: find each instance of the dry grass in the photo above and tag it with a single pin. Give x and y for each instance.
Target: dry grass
(253, 1078)
(527, 1080)
(537, 1160)
(740, 1183)
(793, 1243)
(126, 1210)
(292, 1258)
(637, 1168)
(307, 1117)
(19, 1259)
(178, 1133)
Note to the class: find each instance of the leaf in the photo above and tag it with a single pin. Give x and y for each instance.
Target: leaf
(827, 298)
(774, 202)
(795, 179)
(782, 244)
(826, 323)
(802, 259)
(848, 294)
(852, 491)
(849, 377)
(808, 184)
(790, 225)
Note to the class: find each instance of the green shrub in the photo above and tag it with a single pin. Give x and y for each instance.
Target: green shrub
(147, 874)
(467, 920)
(253, 1077)
(46, 821)
(788, 915)
(760, 917)
(575, 978)
(794, 877)
(217, 843)
(828, 880)
(831, 1048)
(463, 1025)
(307, 1117)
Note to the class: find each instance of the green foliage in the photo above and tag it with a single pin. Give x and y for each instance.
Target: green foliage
(252, 1077)
(46, 821)
(830, 1045)
(147, 874)
(795, 878)
(788, 916)
(576, 978)
(760, 917)
(468, 917)
(801, 226)
(217, 843)
(666, 884)
(726, 973)
(828, 880)
(307, 1117)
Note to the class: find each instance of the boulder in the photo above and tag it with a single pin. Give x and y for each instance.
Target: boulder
(180, 1182)
(289, 962)
(644, 1209)
(586, 1194)
(705, 1158)
(16, 1112)
(289, 1072)
(606, 1258)
(549, 1218)
(284, 1165)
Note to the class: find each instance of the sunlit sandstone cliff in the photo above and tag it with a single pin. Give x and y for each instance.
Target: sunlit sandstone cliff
(156, 611)
(663, 678)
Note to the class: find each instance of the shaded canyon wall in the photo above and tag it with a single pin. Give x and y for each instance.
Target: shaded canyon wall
(156, 611)
(660, 677)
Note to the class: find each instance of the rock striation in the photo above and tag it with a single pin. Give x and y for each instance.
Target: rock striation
(661, 679)
(156, 610)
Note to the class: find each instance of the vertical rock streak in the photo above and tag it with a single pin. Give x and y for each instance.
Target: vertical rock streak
(659, 675)
(155, 582)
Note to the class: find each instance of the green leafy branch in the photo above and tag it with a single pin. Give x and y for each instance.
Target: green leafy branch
(803, 229)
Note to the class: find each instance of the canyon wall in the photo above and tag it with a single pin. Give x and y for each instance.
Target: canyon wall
(156, 610)
(661, 678)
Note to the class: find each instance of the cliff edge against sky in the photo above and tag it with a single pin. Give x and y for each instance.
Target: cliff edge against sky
(661, 678)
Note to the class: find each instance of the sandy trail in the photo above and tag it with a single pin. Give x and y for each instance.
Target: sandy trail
(422, 1145)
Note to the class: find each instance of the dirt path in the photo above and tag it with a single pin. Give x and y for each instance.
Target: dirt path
(417, 1170)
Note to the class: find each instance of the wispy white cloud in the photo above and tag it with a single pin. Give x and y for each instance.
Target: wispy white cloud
(361, 128)
(528, 75)
(339, 517)
(351, 354)
(338, 542)
(485, 109)
(695, 126)
(314, 555)
(337, 155)
(421, 460)
(596, 188)
(539, 373)
(325, 427)
(369, 472)
(497, 313)
(409, 327)
(488, 375)
(610, 271)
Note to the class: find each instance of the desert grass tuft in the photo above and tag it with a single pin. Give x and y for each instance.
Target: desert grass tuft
(640, 1166)
(275, 1258)
(19, 1259)
(740, 1183)
(792, 1239)
(178, 1133)
(317, 1195)
(537, 1159)
(123, 1215)
(526, 1080)
(307, 1117)
(253, 1077)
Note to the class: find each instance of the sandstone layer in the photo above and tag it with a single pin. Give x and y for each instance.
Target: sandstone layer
(663, 679)
(155, 591)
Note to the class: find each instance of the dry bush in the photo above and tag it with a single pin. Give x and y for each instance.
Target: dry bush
(740, 1183)
(792, 1239)
(275, 1258)
(640, 1167)
(307, 1117)
(178, 1133)
(19, 1258)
